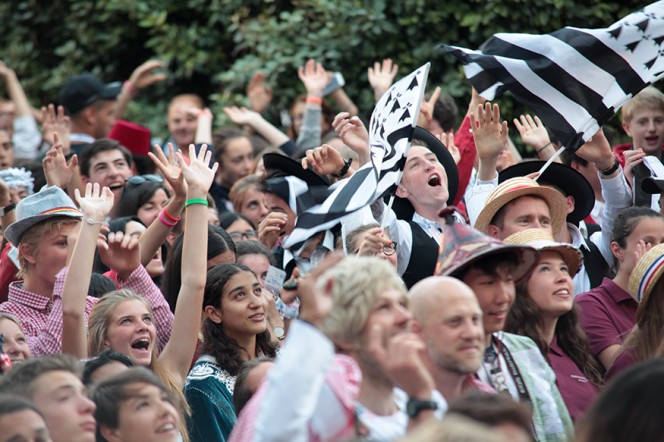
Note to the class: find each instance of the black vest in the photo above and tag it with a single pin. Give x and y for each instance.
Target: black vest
(423, 256)
(594, 263)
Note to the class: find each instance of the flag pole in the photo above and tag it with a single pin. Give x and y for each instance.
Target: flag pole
(548, 163)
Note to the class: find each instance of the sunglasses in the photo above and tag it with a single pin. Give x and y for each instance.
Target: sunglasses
(151, 178)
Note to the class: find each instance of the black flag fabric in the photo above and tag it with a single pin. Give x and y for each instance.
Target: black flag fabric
(573, 79)
(390, 132)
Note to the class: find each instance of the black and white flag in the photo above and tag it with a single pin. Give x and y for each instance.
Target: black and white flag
(573, 79)
(390, 131)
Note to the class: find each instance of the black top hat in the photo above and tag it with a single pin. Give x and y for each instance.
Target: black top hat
(570, 181)
(401, 206)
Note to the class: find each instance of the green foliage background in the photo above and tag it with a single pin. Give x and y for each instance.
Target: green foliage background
(212, 47)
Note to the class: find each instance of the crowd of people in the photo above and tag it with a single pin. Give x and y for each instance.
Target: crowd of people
(146, 292)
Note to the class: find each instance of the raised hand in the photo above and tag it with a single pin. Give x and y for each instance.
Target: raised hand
(198, 174)
(57, 170)
(448, 140)
(270, 228)
(144, 76)
(373, 242)
(632, 159)
(354, 135)
(97, 202)
(381, 76)
(597, 150)
(314, 77)
(121, 253)
(401, 360)
(324, 160)
(532, 131)
(241, 115)
(258, 93)
(426, 109)
(489, 133)
(53, 122)
(169, 169)
(315, 304)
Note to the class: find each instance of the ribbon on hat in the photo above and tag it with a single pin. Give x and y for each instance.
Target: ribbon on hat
(650, 272)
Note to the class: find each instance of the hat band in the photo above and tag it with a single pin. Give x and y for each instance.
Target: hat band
(648, 276)
(523, 186)
(63, 210)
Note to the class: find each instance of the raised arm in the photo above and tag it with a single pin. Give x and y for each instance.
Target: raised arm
(490, 138)
(156, 233)
(534, 134)
(179, 350)
(143, 76)
(95, 205)
(254, 120)
(381, 76)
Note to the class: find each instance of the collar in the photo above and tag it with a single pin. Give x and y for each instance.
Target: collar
(555, 348)
(31, 300)
(426, 224)
(81, 138)
(617, 294)
(578, 240)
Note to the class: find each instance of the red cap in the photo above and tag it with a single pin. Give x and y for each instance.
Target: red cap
(134, 137)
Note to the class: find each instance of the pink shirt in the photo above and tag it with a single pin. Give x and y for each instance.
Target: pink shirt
(41, 317)
(608, 314)
(577, 391)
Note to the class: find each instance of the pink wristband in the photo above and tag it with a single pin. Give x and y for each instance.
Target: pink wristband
(166, 222)
(131, 90)
(169, 217)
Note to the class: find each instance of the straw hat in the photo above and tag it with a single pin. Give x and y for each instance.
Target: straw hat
(646, 273)
(542, 240)
(515, 188)
(462, 246)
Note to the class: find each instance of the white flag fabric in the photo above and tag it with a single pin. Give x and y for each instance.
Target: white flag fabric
(390, 131)
(573, 79)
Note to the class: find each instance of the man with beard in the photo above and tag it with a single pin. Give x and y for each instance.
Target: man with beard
(448, 319)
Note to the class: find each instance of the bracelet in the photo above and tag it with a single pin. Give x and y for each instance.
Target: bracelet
(344, 170)
(202, 201)
(93, 222)
(127, 87)
(612, 169)
(311, 99)
(166, 222)
(170, 217)
(543, 147)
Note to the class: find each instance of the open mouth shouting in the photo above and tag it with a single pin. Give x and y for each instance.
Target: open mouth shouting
(434, 180)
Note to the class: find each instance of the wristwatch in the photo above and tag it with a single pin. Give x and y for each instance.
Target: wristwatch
(8, 208)
(279, 332)
(415, 406)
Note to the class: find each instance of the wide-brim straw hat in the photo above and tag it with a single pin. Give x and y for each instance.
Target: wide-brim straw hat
(50, 202)
(561, 176)
(462, 246)
(518, 187)
(542, 240)
(646, 273)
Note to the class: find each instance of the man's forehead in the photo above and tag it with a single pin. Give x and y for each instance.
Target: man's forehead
(107, 156)
(419, 151)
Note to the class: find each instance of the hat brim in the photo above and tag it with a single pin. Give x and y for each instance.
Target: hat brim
(570, 255)
(554, 199)
(652, 185)
(15, 231)
(287, 165)
(564, 177)
(401, 206)
(110, 91)
(528, 258)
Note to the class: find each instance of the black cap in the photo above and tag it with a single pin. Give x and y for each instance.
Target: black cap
(83, 90)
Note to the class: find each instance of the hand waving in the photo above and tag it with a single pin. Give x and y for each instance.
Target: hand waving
(381, 76)
(143, 76)
(198, 174)
(532, 131)
(57, 170)
(169, 169)
(489, 133)
(97, 202)
(258, 93)
(314, 77)
(56, 122)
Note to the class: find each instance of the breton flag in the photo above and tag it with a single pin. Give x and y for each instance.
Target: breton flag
(573, 79)
(390, 132)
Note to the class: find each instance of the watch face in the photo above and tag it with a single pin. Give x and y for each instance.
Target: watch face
(279, 332)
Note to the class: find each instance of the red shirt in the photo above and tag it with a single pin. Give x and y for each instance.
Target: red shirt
(577, 391)
(608, 314)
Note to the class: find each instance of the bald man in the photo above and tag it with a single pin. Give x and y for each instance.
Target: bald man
(448, 319)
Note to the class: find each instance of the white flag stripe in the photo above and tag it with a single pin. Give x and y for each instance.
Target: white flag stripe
(569, 59)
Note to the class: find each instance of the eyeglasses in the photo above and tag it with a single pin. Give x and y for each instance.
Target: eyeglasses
(152, 178)
(390, 249)
(247, 234)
